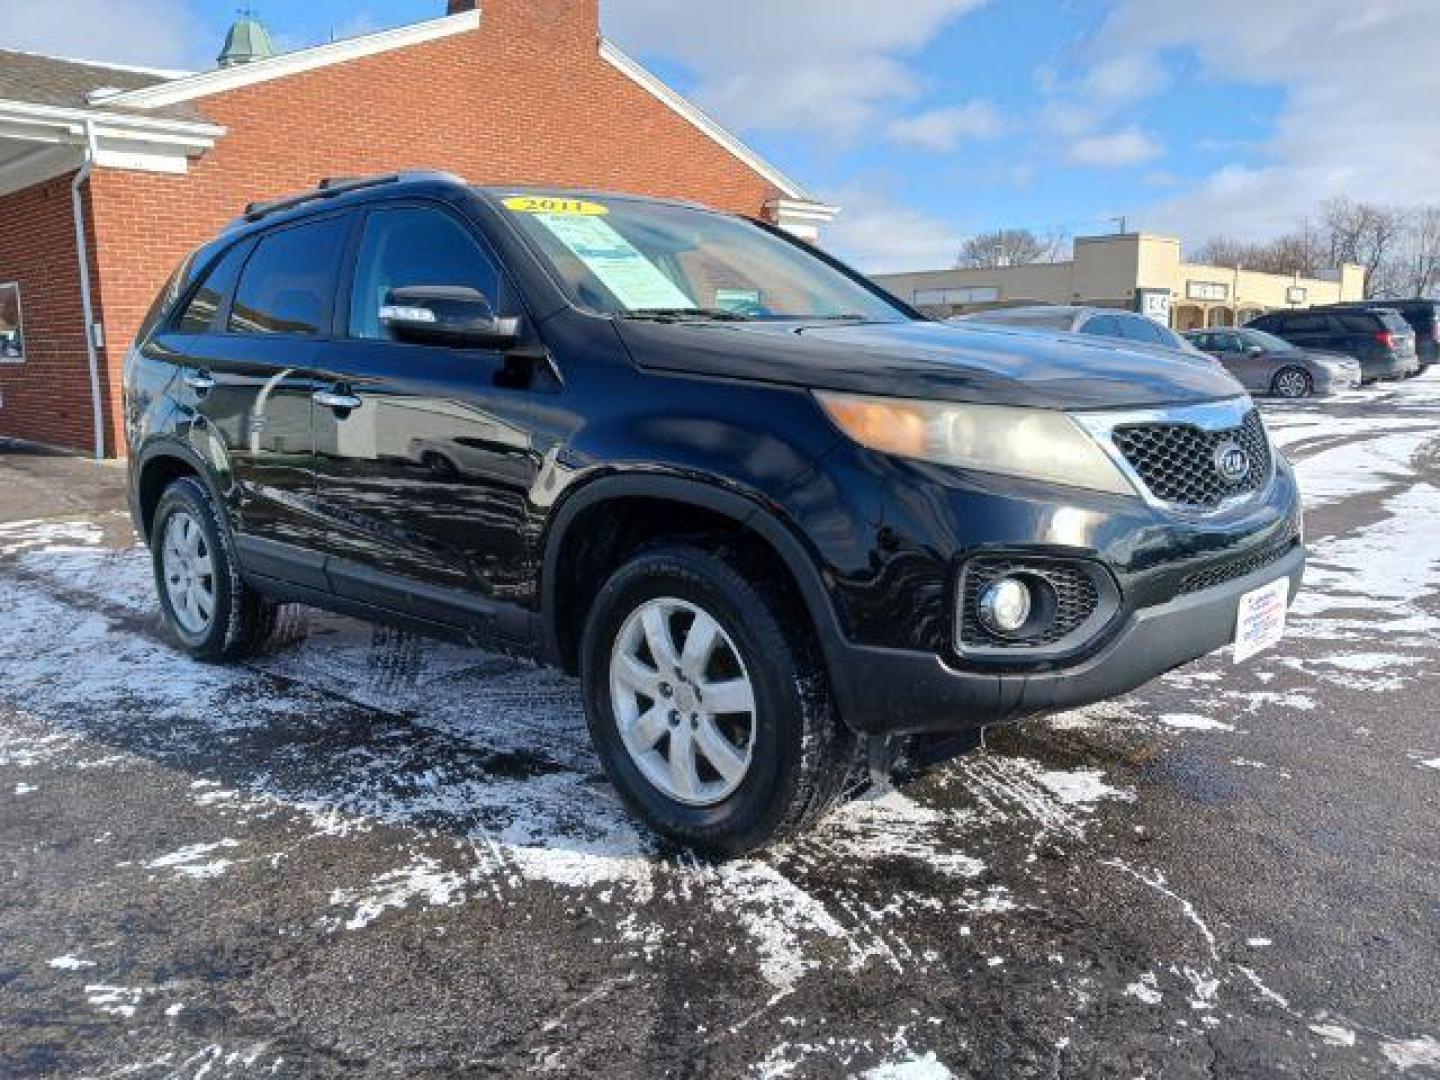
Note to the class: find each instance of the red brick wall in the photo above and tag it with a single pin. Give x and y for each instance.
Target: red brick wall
(47, 397)
(525, 99)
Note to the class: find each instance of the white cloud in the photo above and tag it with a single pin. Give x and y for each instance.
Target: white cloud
(1358, 115)
(1122, 79)
(877, 236)
(943, 129)
(831, 67)
(154, 33)
(1128, 146)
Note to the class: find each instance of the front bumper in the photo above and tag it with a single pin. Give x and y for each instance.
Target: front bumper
(895, 691)
(1333, 380)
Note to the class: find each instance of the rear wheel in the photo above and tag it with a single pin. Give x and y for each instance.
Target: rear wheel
(212, 613)
(1292, 383)
(708, 703)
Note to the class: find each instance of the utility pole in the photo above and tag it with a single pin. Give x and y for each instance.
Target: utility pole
(1121, 221)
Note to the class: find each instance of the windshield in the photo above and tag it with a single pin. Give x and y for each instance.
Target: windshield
(654, 260)
(1268, 342)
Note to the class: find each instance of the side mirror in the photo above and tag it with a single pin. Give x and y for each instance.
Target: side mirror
(454, 315)
(1254, 350)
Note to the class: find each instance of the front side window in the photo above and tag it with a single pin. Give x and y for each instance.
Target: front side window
(1268, 342)
(287, 284)
(1139, 328)
(413, 246)
(638, 259)
(12, 325)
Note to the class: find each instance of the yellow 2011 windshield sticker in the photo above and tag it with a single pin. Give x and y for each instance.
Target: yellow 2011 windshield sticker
(545, 204)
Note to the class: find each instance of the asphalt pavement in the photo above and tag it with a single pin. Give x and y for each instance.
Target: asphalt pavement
(365, 853)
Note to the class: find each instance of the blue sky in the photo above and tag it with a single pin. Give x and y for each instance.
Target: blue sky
(929, 120)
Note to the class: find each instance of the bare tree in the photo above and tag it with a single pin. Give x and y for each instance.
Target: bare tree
(1303, 251)
(1011, 247)
(1415, 268)
(1364, 234)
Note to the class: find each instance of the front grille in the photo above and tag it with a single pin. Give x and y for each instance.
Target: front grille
(1177, 460)
(1236, 568)
(1071, 592)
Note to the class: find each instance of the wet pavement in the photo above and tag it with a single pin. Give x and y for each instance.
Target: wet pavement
(368, 854)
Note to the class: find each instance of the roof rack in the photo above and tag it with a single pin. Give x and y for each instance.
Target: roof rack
(332, 186)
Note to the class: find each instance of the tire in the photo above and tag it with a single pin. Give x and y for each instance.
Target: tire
(239, 620)
(1292, 382)
(799, 753)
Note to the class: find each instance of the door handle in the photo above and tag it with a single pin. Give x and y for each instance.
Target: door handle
(337, 399)
(202, 382)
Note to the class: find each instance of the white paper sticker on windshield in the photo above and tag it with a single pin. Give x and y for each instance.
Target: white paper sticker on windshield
(635, 280)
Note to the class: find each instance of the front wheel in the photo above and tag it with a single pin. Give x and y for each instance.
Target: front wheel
(708, 703)
(1292, 383)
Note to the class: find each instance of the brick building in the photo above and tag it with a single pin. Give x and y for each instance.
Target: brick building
(121, 170)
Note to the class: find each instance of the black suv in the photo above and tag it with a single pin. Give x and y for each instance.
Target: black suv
(1378, 337)
(1423, 317)
(778, 523)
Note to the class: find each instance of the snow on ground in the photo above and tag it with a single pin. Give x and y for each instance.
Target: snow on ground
(491, 756)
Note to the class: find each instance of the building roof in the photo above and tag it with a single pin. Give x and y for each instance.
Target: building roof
(35, 79)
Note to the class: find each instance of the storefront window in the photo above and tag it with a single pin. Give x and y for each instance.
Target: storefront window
(12, 330)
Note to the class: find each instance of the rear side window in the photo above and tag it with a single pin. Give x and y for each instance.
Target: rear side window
(288, 283)
(1393, 320)
(414, 246)
(1358, 322)
(199, 314)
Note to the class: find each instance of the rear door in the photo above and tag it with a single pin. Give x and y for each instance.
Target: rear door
(246, 341)
(1311, 330)
(424, 479)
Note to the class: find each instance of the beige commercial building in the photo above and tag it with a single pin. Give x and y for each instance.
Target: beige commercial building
(1135, 271)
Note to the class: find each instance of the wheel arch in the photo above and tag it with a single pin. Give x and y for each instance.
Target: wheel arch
(159, 465)
(743, 511)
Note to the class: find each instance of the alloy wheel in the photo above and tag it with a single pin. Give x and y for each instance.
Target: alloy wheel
(189, 572)
(1292, 384)
(683, 700)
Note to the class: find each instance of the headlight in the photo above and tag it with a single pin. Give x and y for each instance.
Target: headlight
(1039, 444)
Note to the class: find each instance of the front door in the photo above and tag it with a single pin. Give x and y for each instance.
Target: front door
(424, 453)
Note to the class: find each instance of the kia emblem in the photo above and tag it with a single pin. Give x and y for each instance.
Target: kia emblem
(1232, 462)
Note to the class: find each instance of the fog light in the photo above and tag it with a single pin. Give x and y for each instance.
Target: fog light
(1004, 605)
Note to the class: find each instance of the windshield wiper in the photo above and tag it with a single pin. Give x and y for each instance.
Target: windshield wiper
(686, 314)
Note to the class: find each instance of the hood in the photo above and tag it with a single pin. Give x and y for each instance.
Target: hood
(933, 361)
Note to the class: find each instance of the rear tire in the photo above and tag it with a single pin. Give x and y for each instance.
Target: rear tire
(1292, 383)
(209, 610)
(796, 753)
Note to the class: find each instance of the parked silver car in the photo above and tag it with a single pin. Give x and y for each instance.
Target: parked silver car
(1077, 319)
(1271, 365)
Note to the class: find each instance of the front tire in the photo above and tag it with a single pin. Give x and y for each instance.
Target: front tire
(708, 703)
(210, 611)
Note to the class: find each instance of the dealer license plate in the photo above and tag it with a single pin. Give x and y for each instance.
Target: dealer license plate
(1260, 621)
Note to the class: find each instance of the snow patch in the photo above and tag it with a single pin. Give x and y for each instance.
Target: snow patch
(1081, 787)
(1334, 1034)
(1194, 722)
(70, 963)
(1146, 988)
(1423, 1052)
